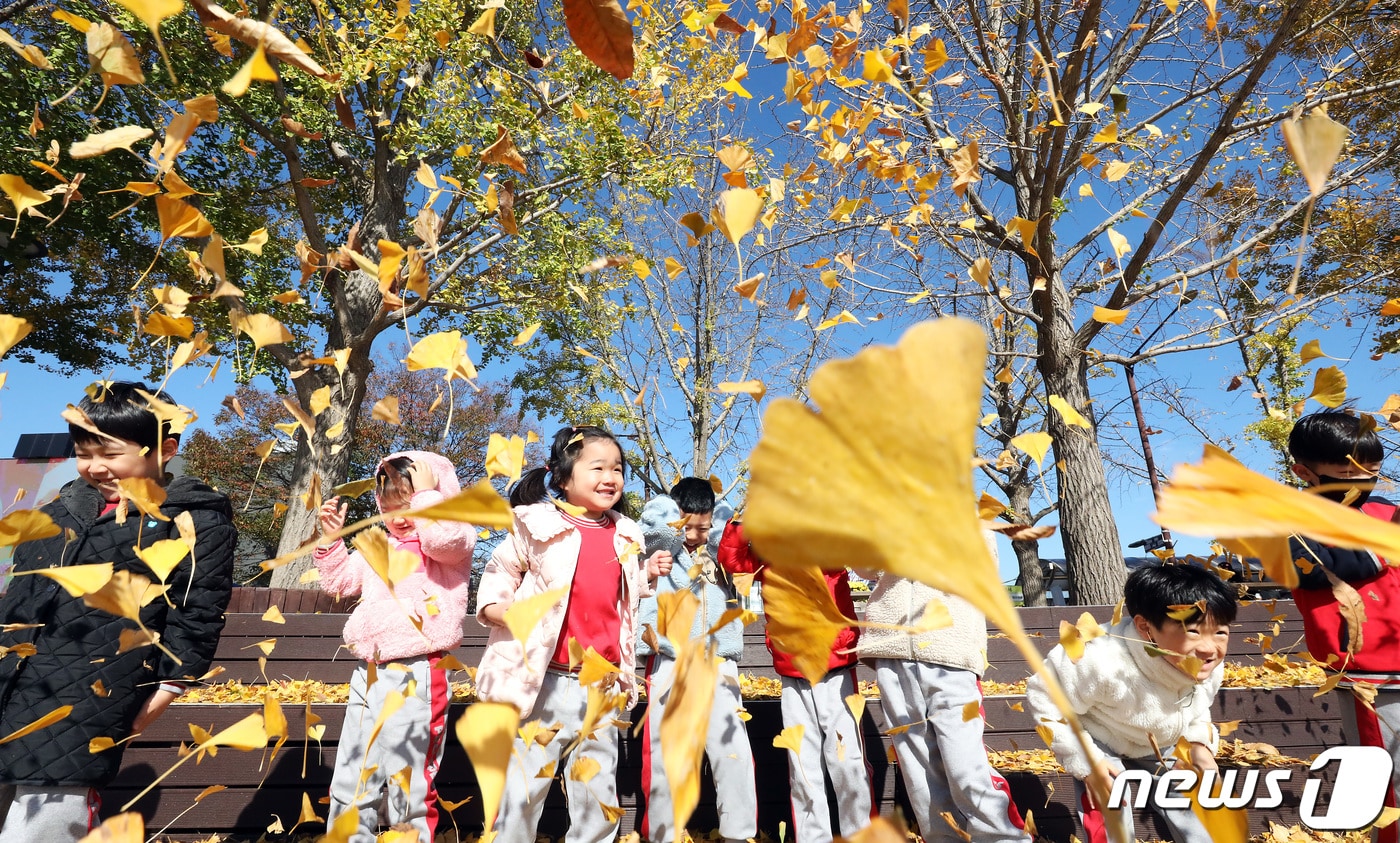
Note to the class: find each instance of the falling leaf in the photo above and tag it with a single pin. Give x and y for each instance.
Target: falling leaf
(1109, 316)
(684, 724)
(1311, 351)
(28, 52)
(487, 733)
(790, 739)
(42, 723)
(523, 616)
(1119, 243)
(503, 152)
(1315, 142)
(485, 25)
(386, 410)
(754, 388)
(13, 329)
(21, 195)
(1036, 444)
(122, 828)
(1068, 414)
(981, 272)
(599, 28)
(259, 35)
(104, 142)
(163, 556)
(505, 457)
(1329, 387)
(526, 335)
(261, 328)
(738, 212)
(24, 525)
(748, 288)
(802, 618)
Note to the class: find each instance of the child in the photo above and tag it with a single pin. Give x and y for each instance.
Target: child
(694, 551)
(49, 781)
(400, 634)
(570, 532)
(832, 744)
(925, 682)
(1334, 448)
(1138, 681)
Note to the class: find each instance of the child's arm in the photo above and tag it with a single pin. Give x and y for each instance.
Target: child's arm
(499, 582)
(200, 589)
(342, 572)
(734, 554)
(1078, 681)
(1348, 565)
(450, 542)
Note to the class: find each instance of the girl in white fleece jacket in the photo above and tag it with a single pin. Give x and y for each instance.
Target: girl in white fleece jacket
(1151, 675)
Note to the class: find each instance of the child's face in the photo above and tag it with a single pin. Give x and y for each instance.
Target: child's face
(1204, 638)
(1334, 472)
(697, 528)
(103, 463)
(596, 480)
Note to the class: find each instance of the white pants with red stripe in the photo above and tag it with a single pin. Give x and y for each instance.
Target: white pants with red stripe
(726, 746)
(831, 747)
(1378, 725)
(405, 755)
(30, 814)
(941, 756)
(1184, 825)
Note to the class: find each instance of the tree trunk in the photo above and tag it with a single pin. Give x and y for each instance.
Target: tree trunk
(330, 464)
(1031, 579)
(1093, 554)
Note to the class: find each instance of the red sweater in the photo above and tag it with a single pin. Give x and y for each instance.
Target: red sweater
(1324, 628)
(737, 556)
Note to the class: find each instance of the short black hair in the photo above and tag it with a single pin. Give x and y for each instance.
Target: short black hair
(121, 411)
(1334, 436)
(1153, 589)
(694, 496)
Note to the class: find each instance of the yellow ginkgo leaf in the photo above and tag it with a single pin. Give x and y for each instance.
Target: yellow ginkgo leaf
(24, 525)
(21, 195)
(320, 400)
(1108, 134)
(274, 615)
(42, 723)
(1311, 351)
(13, 329)
(163, 556)
(754, 388)
(1315, 142)
(505, 457)
(1036, 444)
(790, 739)
(981, 272)
(123, 828)
(256, 69)
(485, 25)
(802, 618)
(739, 209)
(524, 615)
(147, 494)
(386, 410)
(261, 328)
(503, 151)
(989, 507)
(1119, 242)
(77, 580)
(673, 268)
(104, 142)
(479, 504)
(1068, 414)
(594, 667)
(487, 732)
(526, 335)
(684, 724)
(1109, 316)
(1329, 387)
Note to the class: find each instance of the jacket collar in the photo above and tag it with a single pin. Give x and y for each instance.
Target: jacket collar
(1155, 668)
(543, 521)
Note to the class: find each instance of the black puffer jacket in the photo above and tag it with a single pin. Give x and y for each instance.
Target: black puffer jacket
(77, 645)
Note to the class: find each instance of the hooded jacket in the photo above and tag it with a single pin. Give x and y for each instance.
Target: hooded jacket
(1122, 693)
(1326, 629)
(541, 554)
(77, 646)
(715, 592)
(737, 557)
(384, 626)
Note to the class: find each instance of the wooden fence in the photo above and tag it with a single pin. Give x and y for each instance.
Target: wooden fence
(308, 647)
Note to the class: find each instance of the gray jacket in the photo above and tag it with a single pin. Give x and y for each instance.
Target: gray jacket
(715, 596)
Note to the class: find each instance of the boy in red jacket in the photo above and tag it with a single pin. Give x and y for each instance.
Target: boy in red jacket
(831, 744)
(1332, 448)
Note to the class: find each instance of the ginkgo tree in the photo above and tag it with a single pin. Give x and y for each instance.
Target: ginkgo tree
(1064, 160)
(297, 186)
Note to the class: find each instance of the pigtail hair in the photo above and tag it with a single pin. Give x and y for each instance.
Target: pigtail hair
(530, 488)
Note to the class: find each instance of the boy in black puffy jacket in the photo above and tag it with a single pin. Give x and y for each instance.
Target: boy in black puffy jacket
(49, 780)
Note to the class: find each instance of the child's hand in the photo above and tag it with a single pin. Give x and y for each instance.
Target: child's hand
(333, 515)
(1101, 780)
(495, 613)
(659, 564)
(420, 474)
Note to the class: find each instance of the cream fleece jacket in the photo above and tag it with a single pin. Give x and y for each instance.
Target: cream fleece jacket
(1122, 694)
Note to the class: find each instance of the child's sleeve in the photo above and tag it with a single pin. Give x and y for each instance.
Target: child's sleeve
(734, 554)
(1078, 688)
(657, 533)
(200, 590)
(1201, 729)
(1349, 565)
(448, 542)
(342, 572)
(501, 578)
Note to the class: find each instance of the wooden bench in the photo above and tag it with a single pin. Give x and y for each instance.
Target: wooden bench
(308, 646)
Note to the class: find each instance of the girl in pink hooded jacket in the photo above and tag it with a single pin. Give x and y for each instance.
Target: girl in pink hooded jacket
(400, 633)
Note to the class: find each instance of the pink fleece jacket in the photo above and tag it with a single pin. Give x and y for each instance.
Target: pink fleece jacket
(541, 554)
(381, 629)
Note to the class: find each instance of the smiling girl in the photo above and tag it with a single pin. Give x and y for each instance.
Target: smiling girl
(570, 532)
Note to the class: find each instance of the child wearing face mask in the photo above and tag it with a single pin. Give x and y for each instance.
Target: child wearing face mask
(1335, 451)
(1152, 676)
(400, 632)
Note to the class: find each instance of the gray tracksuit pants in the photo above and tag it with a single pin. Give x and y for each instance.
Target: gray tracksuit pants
(726, 747)
(941, 756)
(411, 739)
(1184, 825)
(30, 814)
(562, 702)
(831, 746)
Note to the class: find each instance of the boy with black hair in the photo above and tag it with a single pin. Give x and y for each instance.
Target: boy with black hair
(694, 547)
(49, 780)
(1335, 450)
(1152, 676)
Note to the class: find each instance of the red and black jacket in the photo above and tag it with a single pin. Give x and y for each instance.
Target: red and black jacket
(736, 556)
(1325, 629)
